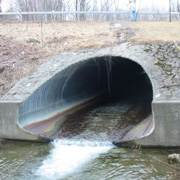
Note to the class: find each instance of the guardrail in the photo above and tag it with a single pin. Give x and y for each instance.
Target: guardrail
(75, 15)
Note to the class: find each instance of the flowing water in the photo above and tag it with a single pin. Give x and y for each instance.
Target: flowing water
(83, 149)
(35, 161)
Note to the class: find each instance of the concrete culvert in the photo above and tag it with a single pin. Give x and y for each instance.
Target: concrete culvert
(39, 105)
(81, 85)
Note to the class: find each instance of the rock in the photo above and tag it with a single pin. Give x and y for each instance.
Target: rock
(0, 142)
(158, 63)
(2, 69)
(173, 158)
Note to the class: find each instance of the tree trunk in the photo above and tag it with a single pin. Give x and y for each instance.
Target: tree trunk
(178, 6)
(82, 8)
(76, 9)
(0, 6)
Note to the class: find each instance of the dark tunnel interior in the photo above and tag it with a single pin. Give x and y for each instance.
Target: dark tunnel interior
(118, 77)
(128, 80)
(111, 78)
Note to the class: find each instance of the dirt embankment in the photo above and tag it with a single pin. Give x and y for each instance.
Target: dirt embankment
(24, 46)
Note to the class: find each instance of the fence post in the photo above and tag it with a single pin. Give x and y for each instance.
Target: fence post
(20, 17)
(45, 17)
(169, 10)
(53, 16)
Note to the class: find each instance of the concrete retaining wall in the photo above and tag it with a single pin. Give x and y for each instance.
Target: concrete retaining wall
(9, 127)
(166, 117)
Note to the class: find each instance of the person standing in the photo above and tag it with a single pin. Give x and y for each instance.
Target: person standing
(132, 7)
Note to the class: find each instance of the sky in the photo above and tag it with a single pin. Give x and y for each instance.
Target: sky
(5, 5)
(161, 5)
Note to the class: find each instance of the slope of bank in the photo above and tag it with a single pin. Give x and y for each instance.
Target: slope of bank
(25, 46)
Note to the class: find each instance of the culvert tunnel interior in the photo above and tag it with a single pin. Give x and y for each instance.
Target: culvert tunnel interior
(89, 83)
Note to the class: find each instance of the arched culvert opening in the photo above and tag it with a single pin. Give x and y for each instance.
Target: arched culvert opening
(98, 80)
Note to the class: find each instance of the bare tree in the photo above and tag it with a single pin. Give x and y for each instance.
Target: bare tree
(76, 5)
(0, 6)
(79, 5)
(106, 6)
(175, 6)
(82, 4)
(178, 5)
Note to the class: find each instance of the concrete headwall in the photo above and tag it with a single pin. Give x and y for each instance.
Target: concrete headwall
(9, 127)
(166, 117)
(28, 96)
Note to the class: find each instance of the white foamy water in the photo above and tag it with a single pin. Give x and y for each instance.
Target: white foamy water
(68, 157)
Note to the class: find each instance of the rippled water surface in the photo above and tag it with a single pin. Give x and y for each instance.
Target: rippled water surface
(20, 160)
(83, 151)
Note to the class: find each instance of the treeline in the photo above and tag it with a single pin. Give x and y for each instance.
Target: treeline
(85, 5)
(80, 5)
(63, 5)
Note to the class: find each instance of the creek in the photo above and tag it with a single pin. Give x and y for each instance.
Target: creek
(83, 149)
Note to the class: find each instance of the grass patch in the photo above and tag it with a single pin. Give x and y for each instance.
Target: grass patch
(33, 40)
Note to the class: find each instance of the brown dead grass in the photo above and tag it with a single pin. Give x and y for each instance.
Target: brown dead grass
(58, 37)
(156, 31)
